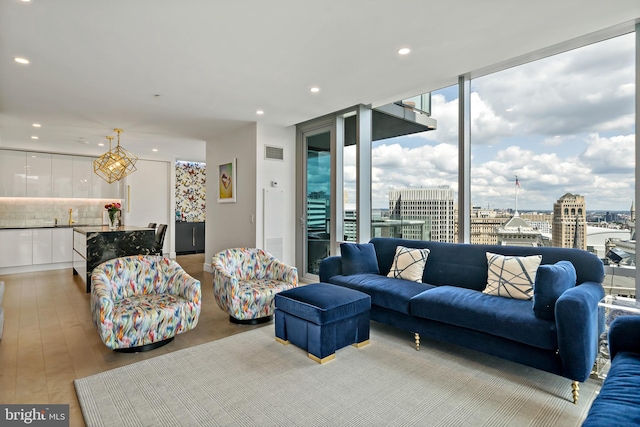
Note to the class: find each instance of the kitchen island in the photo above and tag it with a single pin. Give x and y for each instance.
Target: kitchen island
(96, 244)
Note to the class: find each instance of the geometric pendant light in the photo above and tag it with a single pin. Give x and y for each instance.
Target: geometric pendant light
(115, 164)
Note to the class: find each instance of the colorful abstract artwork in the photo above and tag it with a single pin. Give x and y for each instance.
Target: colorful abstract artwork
(227, 182)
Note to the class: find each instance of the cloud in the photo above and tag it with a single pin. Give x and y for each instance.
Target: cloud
(610, 155)
(580, 91)
(395, 166)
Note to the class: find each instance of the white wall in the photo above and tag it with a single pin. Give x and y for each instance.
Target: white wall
(284, 173)
(231, 225)
(150, 198)
(240, 224)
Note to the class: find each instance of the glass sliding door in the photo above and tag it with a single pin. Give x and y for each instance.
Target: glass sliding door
(315, 218)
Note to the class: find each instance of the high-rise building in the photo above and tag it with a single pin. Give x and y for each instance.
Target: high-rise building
(317, 212)
(431, 207)
(569, 222)
(484, 225)
(518, 232)
(539, 221)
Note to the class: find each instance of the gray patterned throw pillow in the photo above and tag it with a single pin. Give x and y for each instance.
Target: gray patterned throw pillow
(408, 264)
(511, 276)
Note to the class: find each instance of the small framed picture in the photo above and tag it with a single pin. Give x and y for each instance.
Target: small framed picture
(227, 182)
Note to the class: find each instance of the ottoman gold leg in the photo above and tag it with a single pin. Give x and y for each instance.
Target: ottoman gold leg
(416, 336)
(323, 360)
(360, 344)
(575, 391)
(281, 341)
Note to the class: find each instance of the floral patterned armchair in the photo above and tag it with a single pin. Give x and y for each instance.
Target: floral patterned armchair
(141, 302)
(246, 281)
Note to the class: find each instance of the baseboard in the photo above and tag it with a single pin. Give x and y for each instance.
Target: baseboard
(206, 267)
(35, 267)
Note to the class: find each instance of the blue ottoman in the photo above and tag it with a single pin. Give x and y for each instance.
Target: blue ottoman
(322, 318)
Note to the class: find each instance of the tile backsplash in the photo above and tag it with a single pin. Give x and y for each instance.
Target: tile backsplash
(39, 212)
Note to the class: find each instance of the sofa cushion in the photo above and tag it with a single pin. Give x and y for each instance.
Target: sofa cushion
(551, 282)
(408, 264)
(511, 276)
(358, 258)
(618, 403)
(386, 292)
(504, 317)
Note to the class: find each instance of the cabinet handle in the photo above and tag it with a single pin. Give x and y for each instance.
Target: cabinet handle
(193, 236)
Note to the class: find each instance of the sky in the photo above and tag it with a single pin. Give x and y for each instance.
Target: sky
(563, 124)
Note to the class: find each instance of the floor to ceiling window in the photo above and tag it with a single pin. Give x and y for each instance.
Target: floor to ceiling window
(414, 178)
(557, 133)
(553, 152)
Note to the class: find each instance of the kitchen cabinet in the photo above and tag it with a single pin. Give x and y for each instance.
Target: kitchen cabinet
(13, 173)
(34, 174)
(42, 245)
(20, 251)
(189, 237)
(61, 176)
(62, 245)
(38, 175)
(101, 189)
(82, 171)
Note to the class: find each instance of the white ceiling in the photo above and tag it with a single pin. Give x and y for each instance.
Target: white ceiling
(96, 65)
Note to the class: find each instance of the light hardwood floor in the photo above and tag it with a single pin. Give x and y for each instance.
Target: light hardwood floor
(49, 339)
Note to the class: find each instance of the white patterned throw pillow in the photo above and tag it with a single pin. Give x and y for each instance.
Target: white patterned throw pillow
(408, 264)
(511, 276)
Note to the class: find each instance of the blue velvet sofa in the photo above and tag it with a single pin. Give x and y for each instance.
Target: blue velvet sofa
(618, 403)
(559, 336)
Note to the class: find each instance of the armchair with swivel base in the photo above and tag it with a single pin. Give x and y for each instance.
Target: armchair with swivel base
(246, 281)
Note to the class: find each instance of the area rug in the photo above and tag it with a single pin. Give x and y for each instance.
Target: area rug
(249, 379)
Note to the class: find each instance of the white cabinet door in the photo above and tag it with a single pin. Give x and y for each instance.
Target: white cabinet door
(148, 197)
(13, 174)
(82, 171)
(101, 189)
(62, 175)
(62, 245)
(17, 249)
(38, 175)
(42, 246)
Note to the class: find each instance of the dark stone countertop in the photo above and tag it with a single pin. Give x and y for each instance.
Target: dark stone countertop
(105, 229)
(37, 227)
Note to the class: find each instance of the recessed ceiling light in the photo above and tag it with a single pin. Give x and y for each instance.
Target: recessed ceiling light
(100, 144)
(314, 89)
(155, 149)
(21, 60)
(26, 1)
(36, 125)
(34, 137)
(404, 51)
(259, 112)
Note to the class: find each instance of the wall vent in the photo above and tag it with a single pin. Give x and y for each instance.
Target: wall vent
(273, 153)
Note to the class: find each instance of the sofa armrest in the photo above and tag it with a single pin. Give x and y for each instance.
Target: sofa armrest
(624, 335)
(329, 267)
(577, 326)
